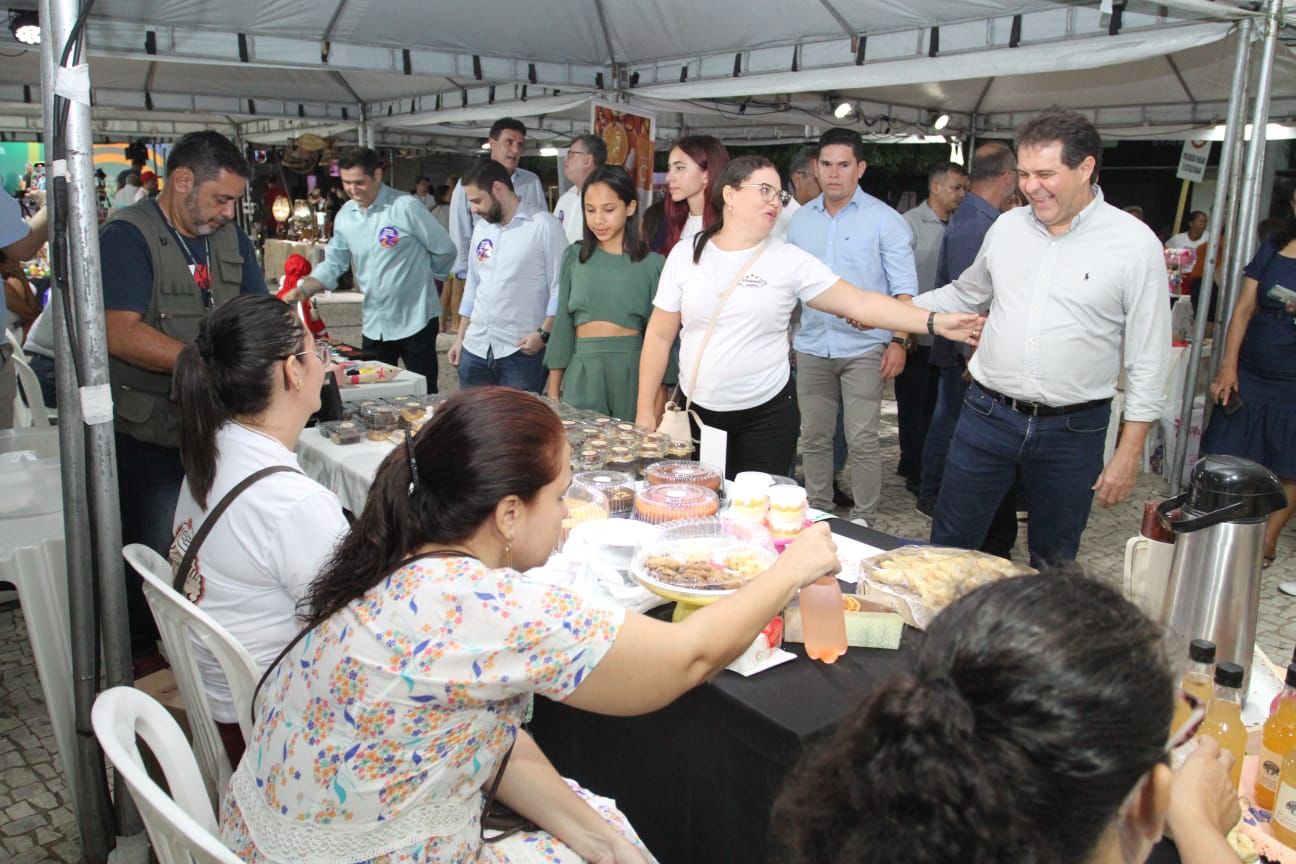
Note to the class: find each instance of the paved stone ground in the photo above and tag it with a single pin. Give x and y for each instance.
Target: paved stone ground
(37, 823)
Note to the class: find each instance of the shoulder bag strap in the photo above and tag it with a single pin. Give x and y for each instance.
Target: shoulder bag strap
(186, 563)
(715, 316)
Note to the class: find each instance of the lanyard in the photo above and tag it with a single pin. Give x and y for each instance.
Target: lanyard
(201, 272)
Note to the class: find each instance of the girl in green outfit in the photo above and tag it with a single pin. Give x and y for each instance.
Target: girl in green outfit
(605, 294)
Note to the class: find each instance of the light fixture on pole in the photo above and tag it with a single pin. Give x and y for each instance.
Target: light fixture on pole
(941, 122)
(25, 27)
(843, 110)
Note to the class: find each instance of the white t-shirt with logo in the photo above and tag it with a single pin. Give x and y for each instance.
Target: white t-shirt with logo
(261, 555)
(745, 363)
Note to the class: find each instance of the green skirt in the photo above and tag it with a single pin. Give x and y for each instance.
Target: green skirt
(603, 375)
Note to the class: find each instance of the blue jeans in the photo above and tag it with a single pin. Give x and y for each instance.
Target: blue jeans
(949, 403)
(517, 370)
(1059, 459)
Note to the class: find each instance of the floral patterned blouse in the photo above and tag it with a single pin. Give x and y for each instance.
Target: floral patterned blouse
(376, 734)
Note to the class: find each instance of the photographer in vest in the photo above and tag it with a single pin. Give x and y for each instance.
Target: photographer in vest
(167, 262)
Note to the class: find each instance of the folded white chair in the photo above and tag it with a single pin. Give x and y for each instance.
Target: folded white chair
(179, 622)
(181, 826)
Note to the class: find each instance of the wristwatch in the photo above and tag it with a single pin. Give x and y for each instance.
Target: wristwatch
(931, 323)
(907, 343)
(544, 335)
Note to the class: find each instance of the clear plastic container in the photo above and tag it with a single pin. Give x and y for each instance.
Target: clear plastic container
(672, 502)
(588, 460)
(620, 458)
(583, 505)
(679, 471)
(679, 449)
(824, 620)
(414, 412)
(343, 431)
(617, 486)
(380, 420)
(703, 558)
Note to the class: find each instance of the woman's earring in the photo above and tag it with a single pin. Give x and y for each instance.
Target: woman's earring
(508, 555)
(297, 383)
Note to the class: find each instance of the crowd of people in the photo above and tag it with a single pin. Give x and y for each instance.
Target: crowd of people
(400, 651)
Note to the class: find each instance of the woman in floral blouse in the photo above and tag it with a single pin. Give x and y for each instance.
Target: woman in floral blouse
(380, 730)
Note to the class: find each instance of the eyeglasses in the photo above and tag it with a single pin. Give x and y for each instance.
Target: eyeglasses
(571, 153)
(769, 194)
(320, 350)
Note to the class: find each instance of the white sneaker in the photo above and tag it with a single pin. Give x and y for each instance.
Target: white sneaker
(1288, 588)
(863, 523)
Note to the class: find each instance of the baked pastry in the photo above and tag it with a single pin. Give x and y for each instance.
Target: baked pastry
(617, 486)
(679, 471)
(936, 576)
(672, 502)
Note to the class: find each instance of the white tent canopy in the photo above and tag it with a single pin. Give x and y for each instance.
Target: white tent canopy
(763, 70)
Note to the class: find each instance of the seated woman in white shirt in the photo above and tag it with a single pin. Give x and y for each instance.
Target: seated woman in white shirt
(743, 384)
(246, 388)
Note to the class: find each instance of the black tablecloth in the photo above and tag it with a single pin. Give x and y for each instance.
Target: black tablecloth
(697, 778)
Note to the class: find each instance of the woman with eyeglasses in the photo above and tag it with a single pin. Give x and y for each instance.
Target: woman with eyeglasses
(736, 374)
(383, 731)
(1034, 728)
(246, 387)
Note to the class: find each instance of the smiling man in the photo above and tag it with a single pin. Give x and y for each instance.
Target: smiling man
(1068, 276)
(167, 262)
(398, 250)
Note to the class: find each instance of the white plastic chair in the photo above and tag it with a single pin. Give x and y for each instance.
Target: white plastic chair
(32, 412)
(179, 621)
(181, 826)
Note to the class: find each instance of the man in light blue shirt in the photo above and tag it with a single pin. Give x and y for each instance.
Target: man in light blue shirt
(398, 250)
(511, 292)
(507, 138)
(866, 243)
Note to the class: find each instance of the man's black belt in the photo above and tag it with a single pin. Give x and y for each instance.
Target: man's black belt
(1038, 409)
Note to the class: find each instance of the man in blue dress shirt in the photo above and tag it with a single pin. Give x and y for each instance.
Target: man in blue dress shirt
(398, 250)
(866, 243)
(511, 292)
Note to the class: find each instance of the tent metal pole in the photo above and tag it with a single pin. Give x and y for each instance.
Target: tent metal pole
(1233, 254)
(86, 777)
(1244, 242)
(94, 394)
(1232, 127)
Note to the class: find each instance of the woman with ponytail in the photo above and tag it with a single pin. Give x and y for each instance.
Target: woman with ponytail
(382, 730)
(246, 387)
(1035, 728)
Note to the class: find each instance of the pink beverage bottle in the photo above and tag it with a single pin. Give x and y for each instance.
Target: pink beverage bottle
(823, 618)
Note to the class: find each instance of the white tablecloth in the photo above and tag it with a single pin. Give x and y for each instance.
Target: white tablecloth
(347, 469)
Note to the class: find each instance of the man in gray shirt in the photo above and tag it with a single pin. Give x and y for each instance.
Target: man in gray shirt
(1066, 279)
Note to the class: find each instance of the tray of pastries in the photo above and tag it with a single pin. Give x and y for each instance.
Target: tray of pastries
(700, 560)
(925, 579)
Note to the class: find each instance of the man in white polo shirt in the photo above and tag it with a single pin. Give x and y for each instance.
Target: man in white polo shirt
(587, 152)
(511, 291)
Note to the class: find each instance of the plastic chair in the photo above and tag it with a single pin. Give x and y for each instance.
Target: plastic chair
(180, 622)
(181, 828)
(32, 412)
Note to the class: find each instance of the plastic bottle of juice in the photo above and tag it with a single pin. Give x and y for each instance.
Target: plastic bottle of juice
(1197, 680)
(1224, 716)
(1279, 737)
(823, 617)
(1283, 823)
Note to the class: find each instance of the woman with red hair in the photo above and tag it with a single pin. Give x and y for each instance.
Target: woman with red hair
(695, 163)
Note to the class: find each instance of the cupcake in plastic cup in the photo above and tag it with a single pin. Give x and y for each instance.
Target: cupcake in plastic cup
(787, 510)
(749, 497)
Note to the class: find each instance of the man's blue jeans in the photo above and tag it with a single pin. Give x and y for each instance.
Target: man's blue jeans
(949, 402)
(1059, 459)
(517, 370)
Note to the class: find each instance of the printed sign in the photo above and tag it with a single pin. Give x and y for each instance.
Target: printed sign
(629, 137)
(1192, 161)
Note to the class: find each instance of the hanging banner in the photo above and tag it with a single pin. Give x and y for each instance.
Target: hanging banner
(629, 135)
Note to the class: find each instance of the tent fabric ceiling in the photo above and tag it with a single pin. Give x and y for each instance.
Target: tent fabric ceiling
(975, 72)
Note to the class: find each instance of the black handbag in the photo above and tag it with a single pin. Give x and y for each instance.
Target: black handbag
(499, 817)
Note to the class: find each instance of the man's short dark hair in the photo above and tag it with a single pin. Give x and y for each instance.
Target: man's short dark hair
(803, 160)
(360, 157)
(992, 160)
(940, 169)
(485, 173)
(507, 123)
(1195, 213)
(595, 146)
(842, 136)
(1079, 138)
(206, 154)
